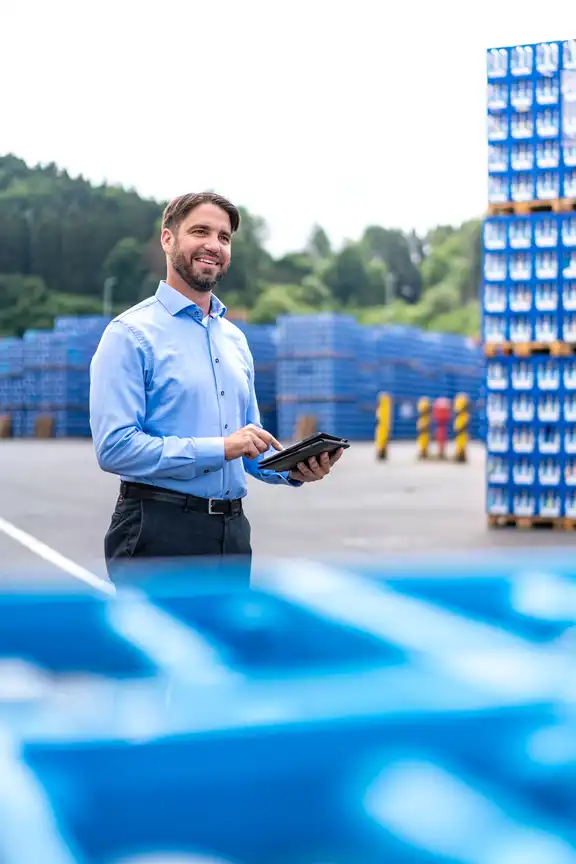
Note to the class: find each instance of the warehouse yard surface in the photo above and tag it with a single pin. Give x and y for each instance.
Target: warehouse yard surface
(55, 493)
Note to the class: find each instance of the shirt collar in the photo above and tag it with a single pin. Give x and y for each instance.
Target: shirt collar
(175, 302)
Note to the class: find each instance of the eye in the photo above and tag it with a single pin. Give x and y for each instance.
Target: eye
(224, 238)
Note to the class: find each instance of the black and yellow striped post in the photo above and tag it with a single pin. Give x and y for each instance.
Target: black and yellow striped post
(423, 426)
(383, 425)
(461, 427)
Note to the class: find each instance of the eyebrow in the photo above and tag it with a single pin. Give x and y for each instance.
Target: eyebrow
(207, 228)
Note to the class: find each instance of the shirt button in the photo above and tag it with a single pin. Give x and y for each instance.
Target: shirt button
(227, 491)
(206, 470)
(217, 360)
(226, 426)
(221, 392)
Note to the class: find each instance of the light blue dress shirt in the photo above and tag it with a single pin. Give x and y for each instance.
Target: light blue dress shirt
(166, 387)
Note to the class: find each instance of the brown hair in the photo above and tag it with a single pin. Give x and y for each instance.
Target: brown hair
(179, 208)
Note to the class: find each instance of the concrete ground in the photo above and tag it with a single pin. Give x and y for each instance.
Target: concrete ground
(55, 492)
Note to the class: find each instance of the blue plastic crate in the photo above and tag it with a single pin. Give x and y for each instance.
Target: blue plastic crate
(337, 418)
(80, 324)
(321, 335)
(317, 377)
(329, 716)
(73, 423)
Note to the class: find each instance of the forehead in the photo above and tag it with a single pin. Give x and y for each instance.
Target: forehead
(209, 215)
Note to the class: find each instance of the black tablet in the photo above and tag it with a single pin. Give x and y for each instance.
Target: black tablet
(314, 445)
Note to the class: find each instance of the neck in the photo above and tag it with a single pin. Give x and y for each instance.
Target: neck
(202, 299)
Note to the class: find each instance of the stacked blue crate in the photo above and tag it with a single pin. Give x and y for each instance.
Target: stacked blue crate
(532, 122)
(11, 384)
(529, 273)
(400, 374)
(81, 324)
(368, 388)
(531, 442)
(261, 340)
(56, 377)
(331, 715)
(413, 363)
(318, 374)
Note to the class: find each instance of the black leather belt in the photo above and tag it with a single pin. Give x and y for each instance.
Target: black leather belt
(212, 506)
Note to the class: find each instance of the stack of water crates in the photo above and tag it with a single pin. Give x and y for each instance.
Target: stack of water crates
(529, 292)
(56, 375)
(261, 339)
(413, 363)
(11, 392)
(318, 375)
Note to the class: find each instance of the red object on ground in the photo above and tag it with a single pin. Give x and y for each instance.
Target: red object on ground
(441, 412)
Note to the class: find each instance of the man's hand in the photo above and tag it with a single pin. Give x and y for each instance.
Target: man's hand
(316, 469)
(249, 441)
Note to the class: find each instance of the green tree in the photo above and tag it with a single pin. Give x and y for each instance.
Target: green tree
(251, 264)
(319, 246)
(23, 303)
(126, 263)
(276, 300)
(396, 251)
(352, 280)
(293, 268)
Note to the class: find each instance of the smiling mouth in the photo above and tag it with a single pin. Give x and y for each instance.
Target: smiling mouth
(210, 262)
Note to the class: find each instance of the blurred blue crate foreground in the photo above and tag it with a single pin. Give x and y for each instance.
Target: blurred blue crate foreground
(411, 714)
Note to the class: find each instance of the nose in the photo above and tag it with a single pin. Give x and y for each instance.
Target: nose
(212, 245)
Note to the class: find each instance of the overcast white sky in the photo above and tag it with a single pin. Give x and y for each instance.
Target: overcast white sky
(344, 114)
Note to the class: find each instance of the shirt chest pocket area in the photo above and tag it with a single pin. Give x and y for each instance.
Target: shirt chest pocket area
(237, 374)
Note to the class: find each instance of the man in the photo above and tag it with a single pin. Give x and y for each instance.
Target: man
(173, 409)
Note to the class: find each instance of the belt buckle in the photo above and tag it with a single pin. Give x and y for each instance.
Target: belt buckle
(211, 510)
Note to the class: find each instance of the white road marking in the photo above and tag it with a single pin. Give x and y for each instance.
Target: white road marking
(53, 557)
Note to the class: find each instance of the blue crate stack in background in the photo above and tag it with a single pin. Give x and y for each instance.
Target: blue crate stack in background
(529, 293)
(413, 363)
(261, 339)
(319, 359)
(55, 378)
(324, 365)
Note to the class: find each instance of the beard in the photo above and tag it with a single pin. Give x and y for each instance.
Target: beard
(186, 273)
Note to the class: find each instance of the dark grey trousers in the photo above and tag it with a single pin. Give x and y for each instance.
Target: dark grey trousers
(147, 538)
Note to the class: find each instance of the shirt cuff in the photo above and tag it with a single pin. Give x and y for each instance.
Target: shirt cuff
(210, 453)
(296, 483)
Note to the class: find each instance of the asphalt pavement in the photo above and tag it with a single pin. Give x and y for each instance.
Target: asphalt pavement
(55, 492)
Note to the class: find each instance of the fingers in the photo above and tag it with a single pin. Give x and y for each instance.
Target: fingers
(251, 451)
(305, 472)
(316, 469)
(336, 456)
(264, 436)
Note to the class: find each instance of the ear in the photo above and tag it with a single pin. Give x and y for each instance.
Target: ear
(166, 239)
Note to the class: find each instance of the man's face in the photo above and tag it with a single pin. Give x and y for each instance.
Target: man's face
(200, 248)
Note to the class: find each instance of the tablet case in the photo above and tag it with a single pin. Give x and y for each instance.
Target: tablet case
(314, 445)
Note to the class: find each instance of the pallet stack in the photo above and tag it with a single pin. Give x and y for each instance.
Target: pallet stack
(261, 339)
(56, 379)
(318, 374)
(529, 290)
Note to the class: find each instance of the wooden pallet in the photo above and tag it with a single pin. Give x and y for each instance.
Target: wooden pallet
(528, 349)
(528, 523)
(524, 208)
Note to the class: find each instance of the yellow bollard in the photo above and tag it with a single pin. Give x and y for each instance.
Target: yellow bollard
(461, 427)
(383, 426)
(423, 426)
